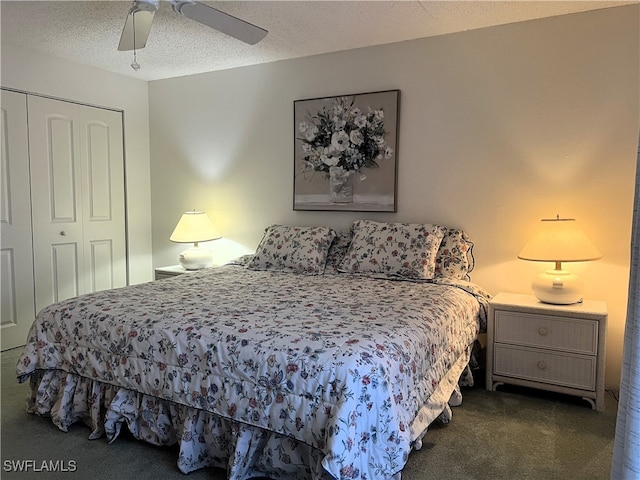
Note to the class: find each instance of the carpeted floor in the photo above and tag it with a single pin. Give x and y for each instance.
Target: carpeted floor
(511, 434)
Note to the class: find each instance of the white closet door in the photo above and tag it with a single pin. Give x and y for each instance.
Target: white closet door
(103, 210)
(77, 179)
(56, 198)
(16, 261)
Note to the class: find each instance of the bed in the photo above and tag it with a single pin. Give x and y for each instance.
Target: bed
(323, 355)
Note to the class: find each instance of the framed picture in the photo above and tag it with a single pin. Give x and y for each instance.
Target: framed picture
(345, 152)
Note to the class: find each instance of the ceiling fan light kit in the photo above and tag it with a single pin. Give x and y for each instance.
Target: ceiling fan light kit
(138, 23)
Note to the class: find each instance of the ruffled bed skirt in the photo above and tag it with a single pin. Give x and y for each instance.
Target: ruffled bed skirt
(205, 439)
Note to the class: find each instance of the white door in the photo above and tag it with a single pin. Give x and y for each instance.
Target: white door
(16, 261)
(78, 214)
(103, 219)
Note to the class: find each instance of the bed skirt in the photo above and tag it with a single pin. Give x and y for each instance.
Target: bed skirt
(205, 439)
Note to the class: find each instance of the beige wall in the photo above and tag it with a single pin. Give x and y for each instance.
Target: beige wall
(499, 127)
(32, 72)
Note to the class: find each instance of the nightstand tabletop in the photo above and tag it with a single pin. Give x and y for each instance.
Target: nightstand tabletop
(516, 301)
(176, 269)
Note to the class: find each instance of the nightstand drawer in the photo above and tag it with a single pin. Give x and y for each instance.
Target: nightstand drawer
(553, 332)
(575, 371)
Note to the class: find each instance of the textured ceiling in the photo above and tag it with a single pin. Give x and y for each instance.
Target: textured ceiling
(88, 32)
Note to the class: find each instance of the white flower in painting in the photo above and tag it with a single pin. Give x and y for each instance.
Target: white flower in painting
(355, 111)
(340, 140)
(379, 141)
(378, 115)
(311, 133)
(338, 123)
(388, 152)
(360, 121)
(332, 150)
(356, 137)
(330, 161)
(303, 127)
(307, 148)
(363, 177)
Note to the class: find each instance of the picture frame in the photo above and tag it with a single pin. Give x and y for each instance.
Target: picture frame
(346, 152)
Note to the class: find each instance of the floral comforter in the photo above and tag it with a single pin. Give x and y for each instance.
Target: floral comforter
(328, 376)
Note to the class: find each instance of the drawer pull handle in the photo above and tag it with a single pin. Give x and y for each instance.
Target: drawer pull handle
(543, 331)
(542, 365)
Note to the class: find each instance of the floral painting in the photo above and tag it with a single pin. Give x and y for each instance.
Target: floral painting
(346, 152)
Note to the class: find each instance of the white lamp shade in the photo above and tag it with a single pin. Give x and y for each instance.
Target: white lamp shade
(559, 240)
(194, 227)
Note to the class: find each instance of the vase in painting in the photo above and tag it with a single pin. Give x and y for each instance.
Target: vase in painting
(340, 185)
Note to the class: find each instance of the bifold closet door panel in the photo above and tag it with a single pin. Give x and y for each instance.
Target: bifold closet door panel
(103, 219)
(56, 197)
(77, 178)
(16, 259)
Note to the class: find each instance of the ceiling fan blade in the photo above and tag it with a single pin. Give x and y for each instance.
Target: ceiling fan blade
(141, 16)
(221, 21)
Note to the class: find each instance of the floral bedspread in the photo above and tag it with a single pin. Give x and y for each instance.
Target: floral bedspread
(340, 364)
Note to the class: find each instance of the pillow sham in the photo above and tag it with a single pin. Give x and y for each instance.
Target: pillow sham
(242, 260)
(293, 249)
(404, 250)
(338, 250)
(455, 255)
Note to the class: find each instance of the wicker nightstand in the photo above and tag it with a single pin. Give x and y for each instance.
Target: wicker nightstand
(560, 348)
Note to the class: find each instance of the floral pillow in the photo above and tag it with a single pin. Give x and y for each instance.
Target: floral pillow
(455, 255)
(293, 249)
(405, 250)
(338, 250)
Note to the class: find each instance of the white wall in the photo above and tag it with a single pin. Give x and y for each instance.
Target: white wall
(32, 72)
(499, 127)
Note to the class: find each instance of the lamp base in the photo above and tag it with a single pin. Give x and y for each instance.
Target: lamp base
(196, 258)
(558, 286)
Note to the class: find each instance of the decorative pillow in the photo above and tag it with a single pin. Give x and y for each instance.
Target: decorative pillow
(242, 260)
(338, 250)
(406, 250)
(455, 255)
(293, 249)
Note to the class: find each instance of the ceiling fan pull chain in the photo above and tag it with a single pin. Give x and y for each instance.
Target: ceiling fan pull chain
(135, 65)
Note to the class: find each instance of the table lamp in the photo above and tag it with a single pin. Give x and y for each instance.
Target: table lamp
(195, 227)
(559, 240)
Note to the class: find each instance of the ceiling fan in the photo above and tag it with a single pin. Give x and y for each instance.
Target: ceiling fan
(138, 24)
